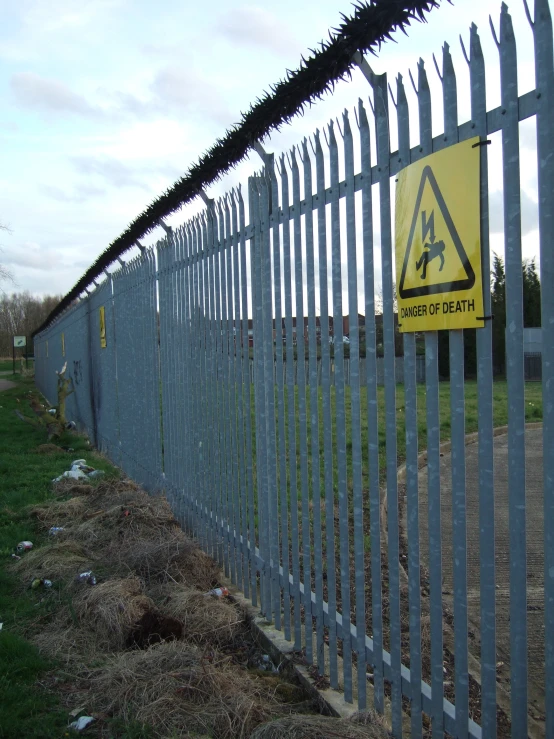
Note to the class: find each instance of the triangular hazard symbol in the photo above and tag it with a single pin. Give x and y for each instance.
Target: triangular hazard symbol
(427, 252)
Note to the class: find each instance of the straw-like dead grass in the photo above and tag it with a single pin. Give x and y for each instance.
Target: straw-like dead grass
(112, 609)
(173, 688)
(61, 513)
(319, 727)
(206, 619)
(58, 561)
(169, 556)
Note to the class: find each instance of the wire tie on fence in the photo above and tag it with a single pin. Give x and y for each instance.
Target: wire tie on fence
(486, 142)
(485, 318)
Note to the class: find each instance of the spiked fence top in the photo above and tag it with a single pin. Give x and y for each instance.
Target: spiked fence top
(370, 25)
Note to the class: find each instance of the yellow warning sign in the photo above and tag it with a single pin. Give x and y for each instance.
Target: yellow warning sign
(103, 343)
(438, 245)
(63, 345)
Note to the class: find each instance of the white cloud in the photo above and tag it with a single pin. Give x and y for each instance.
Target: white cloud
(256, 26)
(33, 91)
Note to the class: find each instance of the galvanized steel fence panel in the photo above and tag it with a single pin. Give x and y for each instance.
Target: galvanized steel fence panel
(218, 384)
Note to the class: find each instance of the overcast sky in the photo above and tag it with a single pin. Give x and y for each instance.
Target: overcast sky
(104, 103)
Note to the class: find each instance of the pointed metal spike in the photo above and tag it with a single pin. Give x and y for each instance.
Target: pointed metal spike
(392, 96)
(437, 67)
(491, 24)
(413, 83)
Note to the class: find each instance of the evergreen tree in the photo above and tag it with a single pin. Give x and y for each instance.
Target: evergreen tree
(531, 295)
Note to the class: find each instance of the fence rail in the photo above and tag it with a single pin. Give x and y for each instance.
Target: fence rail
(290, 479)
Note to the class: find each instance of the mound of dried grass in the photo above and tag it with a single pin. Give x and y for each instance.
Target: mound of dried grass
(307, 726)
(60, 513)
(57, 561)
(168, 557)
(172, 688)
(67, 486)
(205, 619)
(112, 609)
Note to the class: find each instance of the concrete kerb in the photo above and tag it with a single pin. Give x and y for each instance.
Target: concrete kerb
(282, 652)
(535, 730)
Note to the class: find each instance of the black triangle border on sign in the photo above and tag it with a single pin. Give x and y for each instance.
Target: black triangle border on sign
(440, 287)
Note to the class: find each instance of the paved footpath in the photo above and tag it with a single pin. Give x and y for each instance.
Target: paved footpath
(535, 548)
(6, 384)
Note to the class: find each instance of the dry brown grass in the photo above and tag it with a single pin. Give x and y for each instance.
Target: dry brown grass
(61, 560)
(318, 727)
(168, 557)
(111, 609)
(61, 513)
(172, 688)
(205, 618)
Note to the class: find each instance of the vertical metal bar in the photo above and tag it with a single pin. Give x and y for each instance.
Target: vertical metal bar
(372, 415)
(196, 328)
(302, 417)
(433, 460)
(314, 411)
(514, 374)
(201, 385)
(259, 393)
(235, 534)
(340, 412)
(214, 513)
(412, 492)
(222, 497)
(204, 237)
(485, 419)
(383, 154)
(291, 408)
(247, 402)
(544, 74)
(269, 389)
(355, 406)
(279, 372)
(330, 557)
(457, 423)
(236, 387)
(226, 418)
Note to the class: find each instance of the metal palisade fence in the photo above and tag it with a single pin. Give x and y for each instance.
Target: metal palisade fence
(185, 367)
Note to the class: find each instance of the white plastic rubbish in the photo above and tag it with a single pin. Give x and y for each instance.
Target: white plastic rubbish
(81, 723)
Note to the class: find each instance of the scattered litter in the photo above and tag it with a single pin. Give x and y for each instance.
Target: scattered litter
(80, 470)
(51, 411)
(16, 556)
(71, 425)
(1, 626)
(38, 582)
(81, 723)
(75, 474)
(76, 711)
(87, 577)
(55, 530)
(218, 592)
(24, 546)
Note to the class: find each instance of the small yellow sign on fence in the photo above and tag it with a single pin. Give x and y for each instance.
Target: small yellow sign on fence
(438, 244)
(103, 343)
(63, 345)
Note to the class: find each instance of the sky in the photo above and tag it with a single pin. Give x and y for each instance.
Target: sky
(105, 103)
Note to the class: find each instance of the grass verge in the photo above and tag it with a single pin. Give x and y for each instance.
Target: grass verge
(27, 707)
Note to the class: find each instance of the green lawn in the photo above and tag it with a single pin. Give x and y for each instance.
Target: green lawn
(26, 708)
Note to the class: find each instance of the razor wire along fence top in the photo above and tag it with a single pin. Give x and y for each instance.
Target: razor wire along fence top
(204, 368)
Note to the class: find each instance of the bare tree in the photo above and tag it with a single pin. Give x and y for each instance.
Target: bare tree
(5, 274)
